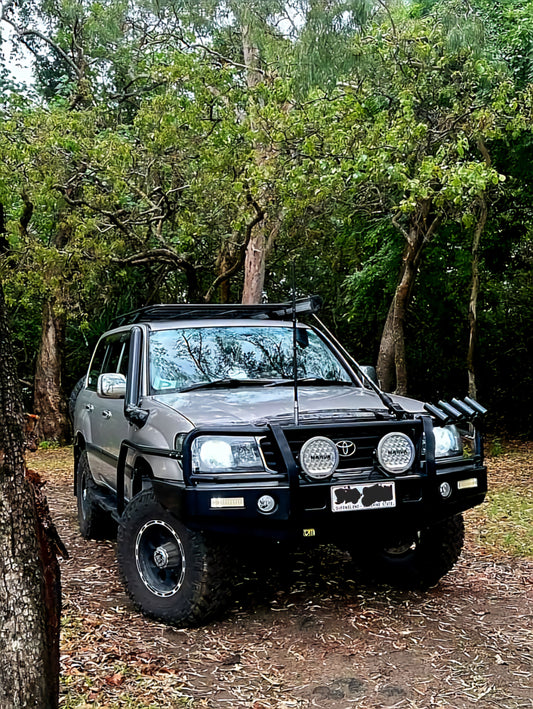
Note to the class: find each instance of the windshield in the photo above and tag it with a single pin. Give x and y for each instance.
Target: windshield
(184, 357)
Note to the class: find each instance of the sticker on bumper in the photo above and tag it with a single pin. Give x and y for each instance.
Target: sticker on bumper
(369, 496)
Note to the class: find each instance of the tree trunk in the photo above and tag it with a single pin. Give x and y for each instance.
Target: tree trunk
(474, 292)
(255, 258)
(225, 261)
(474, 288)
(29, 573)
(251, 56)
(49, 402)
(392, 365)
(254, 268)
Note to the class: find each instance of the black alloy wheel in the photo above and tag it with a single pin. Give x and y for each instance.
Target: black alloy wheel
(171, 572)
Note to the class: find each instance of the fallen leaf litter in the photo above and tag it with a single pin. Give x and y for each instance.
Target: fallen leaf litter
(323, 639)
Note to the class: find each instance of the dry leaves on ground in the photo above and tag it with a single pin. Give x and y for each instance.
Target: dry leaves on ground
(322, 639)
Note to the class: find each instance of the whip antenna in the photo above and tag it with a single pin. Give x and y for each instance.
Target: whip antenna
(294, 351)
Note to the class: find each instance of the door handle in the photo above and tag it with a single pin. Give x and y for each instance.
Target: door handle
(106, 414)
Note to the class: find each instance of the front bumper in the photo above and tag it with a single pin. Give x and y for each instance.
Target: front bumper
(304, 509)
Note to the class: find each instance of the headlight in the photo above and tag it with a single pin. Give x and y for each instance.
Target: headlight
(467, 434)
(226, 454)
(447, 442)
(396, 452)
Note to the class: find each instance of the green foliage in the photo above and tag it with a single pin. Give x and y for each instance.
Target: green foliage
(151, 153)
(48, 445)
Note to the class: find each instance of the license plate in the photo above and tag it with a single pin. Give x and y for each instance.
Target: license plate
(368, 496)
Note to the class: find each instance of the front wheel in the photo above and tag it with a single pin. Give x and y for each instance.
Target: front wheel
(171, 572)
(417, 559)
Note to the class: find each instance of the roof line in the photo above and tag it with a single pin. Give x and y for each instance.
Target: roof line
(180, 311)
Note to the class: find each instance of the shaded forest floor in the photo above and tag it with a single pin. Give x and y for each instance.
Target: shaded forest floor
(324, 639)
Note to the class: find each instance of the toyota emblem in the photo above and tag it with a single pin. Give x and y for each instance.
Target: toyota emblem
(346, 448)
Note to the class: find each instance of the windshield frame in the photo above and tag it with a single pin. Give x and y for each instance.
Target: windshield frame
(343, 364)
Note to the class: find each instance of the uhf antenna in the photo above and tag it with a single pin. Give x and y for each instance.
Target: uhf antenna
(294, 351)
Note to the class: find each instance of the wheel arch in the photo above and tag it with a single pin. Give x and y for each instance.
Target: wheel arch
(142, 475)
(141, 471)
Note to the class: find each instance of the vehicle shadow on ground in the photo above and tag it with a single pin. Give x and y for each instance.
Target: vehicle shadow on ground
(283, 578)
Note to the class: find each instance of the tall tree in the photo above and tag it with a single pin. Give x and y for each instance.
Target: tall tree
(29, 574)
(394, 144)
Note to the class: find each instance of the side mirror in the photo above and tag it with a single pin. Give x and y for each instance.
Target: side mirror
(111, 386)
(370, 373)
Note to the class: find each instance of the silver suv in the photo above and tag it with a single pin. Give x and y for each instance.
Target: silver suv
(198, 427)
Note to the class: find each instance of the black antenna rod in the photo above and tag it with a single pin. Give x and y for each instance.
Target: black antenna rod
(294, 351)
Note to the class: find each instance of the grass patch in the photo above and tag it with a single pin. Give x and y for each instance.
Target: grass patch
(505, 522)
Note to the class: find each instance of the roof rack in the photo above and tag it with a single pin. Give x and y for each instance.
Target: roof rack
(178, 311)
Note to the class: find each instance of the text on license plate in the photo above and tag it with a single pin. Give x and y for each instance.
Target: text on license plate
(368, 496)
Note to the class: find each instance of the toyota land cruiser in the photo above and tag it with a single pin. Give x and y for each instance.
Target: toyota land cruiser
(199, 425)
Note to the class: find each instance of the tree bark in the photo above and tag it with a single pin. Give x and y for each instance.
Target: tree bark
(474, 288)
(254, 268)
(259, 249)
(49, 401)
(474, 293)
(29, 573)
(225, 261)
(251, 56)
(392, 365)
(255, 257)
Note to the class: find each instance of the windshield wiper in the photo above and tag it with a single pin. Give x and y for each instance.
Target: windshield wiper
(226, 384)
(312, 381)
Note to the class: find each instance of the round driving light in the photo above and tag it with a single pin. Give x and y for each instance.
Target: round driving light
(445, 490)
(396, 452)
(266, 504)
(319, 457)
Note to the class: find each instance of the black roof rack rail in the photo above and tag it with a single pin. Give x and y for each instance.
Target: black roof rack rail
(178, 311)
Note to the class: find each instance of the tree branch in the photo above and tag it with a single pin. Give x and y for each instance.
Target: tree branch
(239, 262)
(146, 258)
(26, 32)
(483, 150)
(398, 226)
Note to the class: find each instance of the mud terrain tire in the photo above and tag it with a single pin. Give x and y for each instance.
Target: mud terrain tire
(74, 395)
(172, 573)
(417, 561)
(93, 521)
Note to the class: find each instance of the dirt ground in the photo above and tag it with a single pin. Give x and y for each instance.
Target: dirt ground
(325, 639)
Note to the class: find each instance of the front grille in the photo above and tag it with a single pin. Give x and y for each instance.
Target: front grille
(365, 437)
(269, 454)
(362, 457)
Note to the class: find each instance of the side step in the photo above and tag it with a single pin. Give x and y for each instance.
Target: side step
(108, 502)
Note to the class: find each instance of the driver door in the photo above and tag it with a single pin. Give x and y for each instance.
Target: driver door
(109, 425)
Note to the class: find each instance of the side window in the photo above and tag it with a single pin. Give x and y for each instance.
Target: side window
(97, 364)
(124, 357)
(112, 355)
